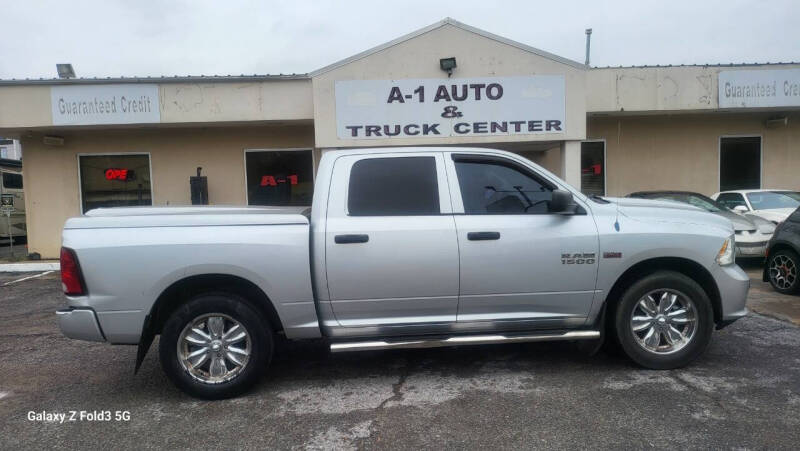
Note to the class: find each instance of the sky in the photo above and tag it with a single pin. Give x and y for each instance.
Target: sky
(113, 38)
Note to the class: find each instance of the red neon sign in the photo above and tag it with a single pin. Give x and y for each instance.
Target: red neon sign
(271, 180)
(119, 174)
(594, 169)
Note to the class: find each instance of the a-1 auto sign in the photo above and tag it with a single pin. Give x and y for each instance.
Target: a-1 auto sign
(429, 108)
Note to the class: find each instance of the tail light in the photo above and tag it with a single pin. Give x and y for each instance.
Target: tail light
(71, 277)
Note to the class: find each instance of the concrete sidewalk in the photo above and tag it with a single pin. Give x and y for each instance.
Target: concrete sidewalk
(43, 265)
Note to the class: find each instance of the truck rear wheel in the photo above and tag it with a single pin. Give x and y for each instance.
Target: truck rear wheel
(215, 346)
(664, 321)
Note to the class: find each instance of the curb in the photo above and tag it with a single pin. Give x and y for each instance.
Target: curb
(29, 267)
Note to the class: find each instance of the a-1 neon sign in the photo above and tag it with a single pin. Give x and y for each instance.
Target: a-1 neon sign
(119, 174)
(271, 180)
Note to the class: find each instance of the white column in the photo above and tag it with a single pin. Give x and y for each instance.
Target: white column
(571, 163)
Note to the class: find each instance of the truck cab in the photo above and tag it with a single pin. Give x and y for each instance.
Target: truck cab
(423, 241)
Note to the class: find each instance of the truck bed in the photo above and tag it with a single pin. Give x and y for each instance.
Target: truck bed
(130, 256)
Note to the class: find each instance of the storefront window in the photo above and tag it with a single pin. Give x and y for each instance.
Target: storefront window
(740, 163)
(593, 168)
(115, 181)
(279, 177)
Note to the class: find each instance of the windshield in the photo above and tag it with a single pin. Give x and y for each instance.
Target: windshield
(703, 202)
(793, 194)
(766, 200)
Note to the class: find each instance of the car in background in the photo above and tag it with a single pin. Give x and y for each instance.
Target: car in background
(752, 232)
(12, 197)
(782, 270)
(774, 205)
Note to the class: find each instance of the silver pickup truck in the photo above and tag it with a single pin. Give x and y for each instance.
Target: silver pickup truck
(413, 247)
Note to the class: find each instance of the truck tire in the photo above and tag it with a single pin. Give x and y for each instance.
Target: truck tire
(215, 346)
(783, 270)
(664, 321)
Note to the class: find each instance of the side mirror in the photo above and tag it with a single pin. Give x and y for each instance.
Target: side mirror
(740, 209)
(562, 203)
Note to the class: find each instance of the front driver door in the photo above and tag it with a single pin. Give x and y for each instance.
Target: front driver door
(390, 242)
(518, 261)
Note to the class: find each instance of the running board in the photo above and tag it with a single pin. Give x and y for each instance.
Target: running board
(462, 340)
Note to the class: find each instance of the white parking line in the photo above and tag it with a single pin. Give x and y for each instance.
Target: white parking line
(26, 278)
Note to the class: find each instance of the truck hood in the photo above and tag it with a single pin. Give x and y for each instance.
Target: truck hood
(669, 212)
(187, 216)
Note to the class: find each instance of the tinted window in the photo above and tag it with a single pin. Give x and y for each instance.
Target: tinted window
(405, 186)
(498, 188)
(12, 181)
(279, 178)
(114, 181)
(731, 200)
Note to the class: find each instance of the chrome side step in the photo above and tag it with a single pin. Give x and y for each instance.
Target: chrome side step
(462, 340)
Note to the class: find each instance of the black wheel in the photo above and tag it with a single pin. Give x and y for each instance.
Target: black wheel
(215, 346)
(664, 321)
(783, 271)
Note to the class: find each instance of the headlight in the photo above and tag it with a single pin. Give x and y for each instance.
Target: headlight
(727, 252)
(766, 228)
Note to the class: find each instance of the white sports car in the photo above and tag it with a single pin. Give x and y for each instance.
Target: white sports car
(774, 205)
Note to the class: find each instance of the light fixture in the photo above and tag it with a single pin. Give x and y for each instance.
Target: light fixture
(775, 122)
(65, 71)
(52, 140)
(448, 64)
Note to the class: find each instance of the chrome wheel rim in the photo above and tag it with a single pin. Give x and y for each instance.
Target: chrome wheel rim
(664, 321)
(214, 348)
(782, 272)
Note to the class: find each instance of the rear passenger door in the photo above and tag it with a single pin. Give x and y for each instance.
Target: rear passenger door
(390, 241)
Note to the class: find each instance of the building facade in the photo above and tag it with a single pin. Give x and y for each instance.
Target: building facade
(92, 143)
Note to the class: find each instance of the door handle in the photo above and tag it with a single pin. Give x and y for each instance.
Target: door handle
(483, 236)
(346, 239)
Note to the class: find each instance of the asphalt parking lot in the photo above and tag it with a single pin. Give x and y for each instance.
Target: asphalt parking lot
(744, 393)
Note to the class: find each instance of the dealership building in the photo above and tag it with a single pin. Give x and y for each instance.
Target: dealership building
(91, 143)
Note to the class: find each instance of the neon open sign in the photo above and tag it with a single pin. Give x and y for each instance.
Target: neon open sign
(271, 180)
(119, 174)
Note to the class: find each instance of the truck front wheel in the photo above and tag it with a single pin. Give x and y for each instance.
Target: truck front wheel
(664, 321)
(215, 346)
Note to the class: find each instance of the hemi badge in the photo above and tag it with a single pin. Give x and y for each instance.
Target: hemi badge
(612, 254)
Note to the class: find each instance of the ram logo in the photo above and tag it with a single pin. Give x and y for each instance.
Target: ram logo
(578, 259)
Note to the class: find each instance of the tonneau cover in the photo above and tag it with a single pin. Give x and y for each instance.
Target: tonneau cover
(188, 216)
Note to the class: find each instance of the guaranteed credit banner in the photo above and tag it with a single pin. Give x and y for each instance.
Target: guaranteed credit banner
(105, 104)
(417, 108)
(759, 88)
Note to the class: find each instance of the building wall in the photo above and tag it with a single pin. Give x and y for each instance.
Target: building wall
(667, 88)
(681, 152)
(475, 55)
(51, 173)
(24, 106)
(229, 102)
